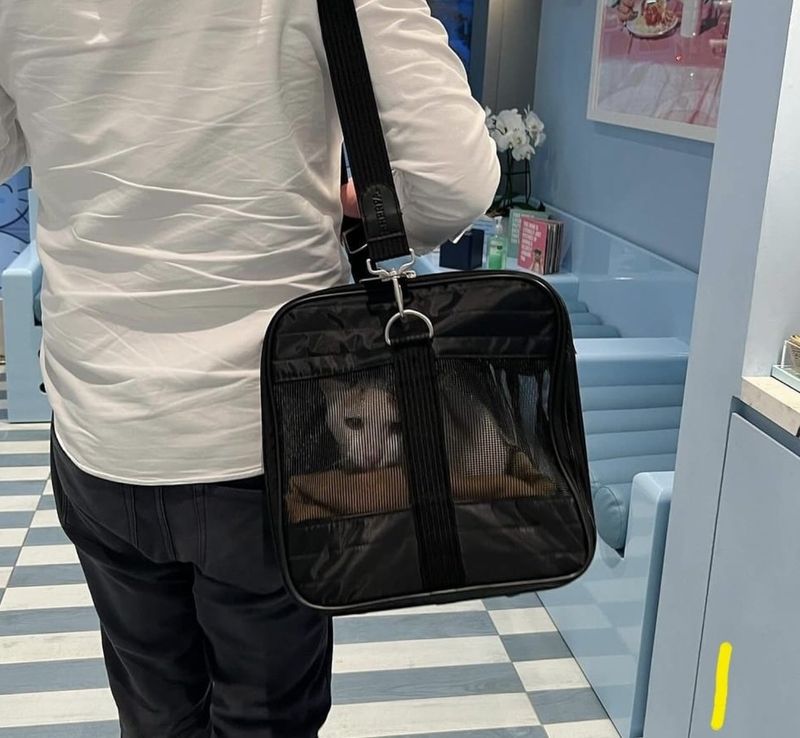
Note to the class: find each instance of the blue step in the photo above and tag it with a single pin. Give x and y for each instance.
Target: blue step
(576, 306)
(585, 319)
(625, 361)
(631, 419)
(623, 470)
(627, 397)
(604, 446)
(594, 331)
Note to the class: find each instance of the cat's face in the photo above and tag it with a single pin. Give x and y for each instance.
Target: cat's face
(365, 423)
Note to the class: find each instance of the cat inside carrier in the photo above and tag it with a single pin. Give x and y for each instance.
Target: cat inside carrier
(360, 466)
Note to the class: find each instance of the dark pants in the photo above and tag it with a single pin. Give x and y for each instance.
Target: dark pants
(199, 635)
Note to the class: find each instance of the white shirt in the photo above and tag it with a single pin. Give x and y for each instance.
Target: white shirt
(186, 155)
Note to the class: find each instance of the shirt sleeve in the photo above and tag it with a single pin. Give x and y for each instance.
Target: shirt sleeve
(445, 163)
(13, 153)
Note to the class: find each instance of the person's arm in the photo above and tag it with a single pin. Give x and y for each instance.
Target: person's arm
(350, 200)
(13, 154)
(446, 165)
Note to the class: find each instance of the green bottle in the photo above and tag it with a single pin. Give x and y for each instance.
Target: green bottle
(498, 247)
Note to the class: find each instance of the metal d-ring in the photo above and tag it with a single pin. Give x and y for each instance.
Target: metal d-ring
(402, 316)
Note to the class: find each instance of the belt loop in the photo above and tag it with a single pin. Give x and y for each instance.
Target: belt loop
(200, 511)
(129, 494)
(161, 507)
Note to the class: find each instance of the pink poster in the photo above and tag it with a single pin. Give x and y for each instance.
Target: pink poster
(658, 65)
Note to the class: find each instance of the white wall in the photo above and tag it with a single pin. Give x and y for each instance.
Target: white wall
(775, 312)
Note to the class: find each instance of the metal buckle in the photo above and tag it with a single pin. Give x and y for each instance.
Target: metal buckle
(346, 235)
(353, 252)
(404, 271)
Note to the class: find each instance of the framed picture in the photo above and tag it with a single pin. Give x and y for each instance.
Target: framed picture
(658, 65)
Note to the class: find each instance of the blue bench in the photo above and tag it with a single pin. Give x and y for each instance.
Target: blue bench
(632, 393)
(22, 319)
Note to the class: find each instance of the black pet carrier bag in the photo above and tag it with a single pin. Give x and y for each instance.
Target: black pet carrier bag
(423, 439)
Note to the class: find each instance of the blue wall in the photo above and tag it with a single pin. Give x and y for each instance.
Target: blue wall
(649, 188)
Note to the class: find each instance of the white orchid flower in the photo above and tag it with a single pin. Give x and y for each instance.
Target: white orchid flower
(520, 153)
(510, 120)
(519, 133)
(503, 140)
(533, 122)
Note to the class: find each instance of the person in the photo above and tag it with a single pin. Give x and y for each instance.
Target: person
(186, 156)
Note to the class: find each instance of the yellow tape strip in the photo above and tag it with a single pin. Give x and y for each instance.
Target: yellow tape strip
(721, 693)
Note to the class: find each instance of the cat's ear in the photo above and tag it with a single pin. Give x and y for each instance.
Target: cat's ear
(332, 388)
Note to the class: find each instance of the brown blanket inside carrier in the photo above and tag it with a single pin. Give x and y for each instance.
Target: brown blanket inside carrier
(337, 493)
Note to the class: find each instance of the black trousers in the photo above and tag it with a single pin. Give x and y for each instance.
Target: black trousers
(200, 637)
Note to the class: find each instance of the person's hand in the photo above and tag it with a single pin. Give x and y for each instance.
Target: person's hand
(350, 200)
(626, 10)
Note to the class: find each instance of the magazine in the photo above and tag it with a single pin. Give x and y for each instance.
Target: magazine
(533, 237)
(540, 244)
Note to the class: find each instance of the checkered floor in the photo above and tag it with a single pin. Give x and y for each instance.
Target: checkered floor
(495, 669)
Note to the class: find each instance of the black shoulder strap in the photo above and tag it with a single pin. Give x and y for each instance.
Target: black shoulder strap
(363, 135)
(438, 543)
